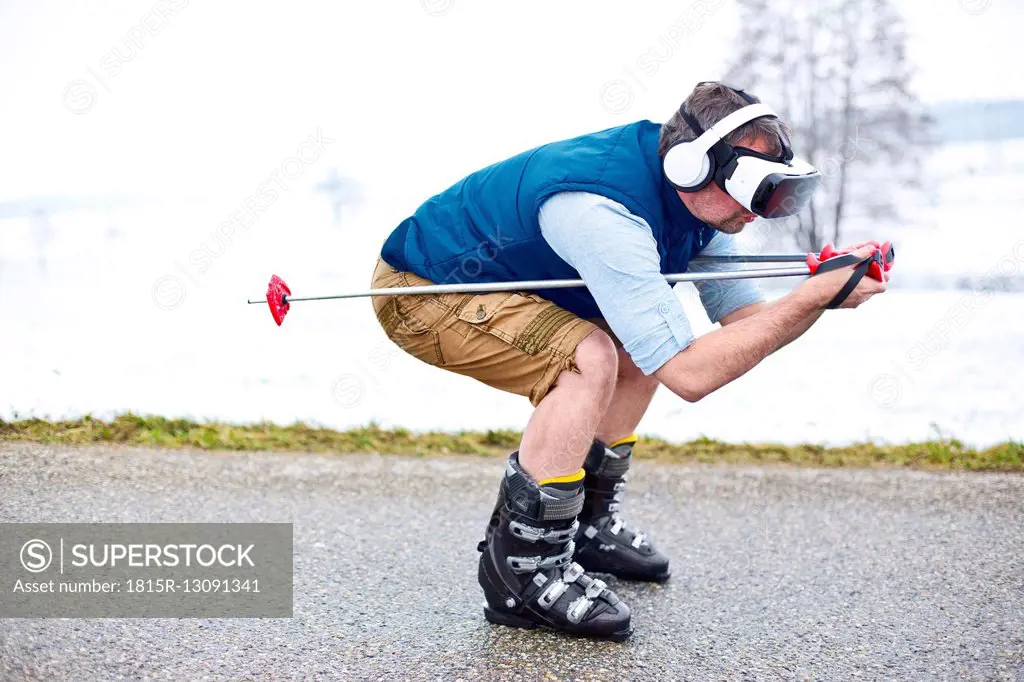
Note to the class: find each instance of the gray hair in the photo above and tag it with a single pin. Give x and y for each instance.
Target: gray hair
(709, 103)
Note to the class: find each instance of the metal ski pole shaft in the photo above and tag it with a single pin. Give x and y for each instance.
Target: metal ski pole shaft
(760, 258)
(486, 287)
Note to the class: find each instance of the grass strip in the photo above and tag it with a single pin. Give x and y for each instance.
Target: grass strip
(131, 429)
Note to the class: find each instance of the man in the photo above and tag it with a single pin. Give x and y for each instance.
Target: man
(617, 208)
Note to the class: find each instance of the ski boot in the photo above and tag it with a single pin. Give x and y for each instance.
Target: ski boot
(604, 543)
(526, 567)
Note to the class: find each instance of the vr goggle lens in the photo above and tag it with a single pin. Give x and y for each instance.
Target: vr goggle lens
(770, 188)
(780, 196)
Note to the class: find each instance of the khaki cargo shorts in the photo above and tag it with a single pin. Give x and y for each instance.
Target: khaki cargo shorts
(515, 341)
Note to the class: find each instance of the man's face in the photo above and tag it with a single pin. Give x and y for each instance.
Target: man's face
(712, 205)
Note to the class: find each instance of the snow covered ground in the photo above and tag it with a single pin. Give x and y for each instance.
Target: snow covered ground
(142, 307)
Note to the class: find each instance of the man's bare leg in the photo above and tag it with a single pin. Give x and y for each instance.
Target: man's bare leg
(634, 557)
(562, 427)
(632, 397)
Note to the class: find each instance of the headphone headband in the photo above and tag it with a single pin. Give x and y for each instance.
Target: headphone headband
(707, 139)
(691, 120)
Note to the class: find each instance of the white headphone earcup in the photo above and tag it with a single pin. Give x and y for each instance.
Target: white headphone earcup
(686, 166)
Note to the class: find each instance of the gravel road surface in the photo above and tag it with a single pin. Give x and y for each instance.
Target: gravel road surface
(778, 574)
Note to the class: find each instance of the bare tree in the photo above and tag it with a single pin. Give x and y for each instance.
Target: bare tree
(837, 72)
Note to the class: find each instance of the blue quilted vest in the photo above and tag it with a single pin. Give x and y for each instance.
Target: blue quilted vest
(484, 228)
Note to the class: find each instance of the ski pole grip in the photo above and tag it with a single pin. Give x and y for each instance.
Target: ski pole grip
(874, 266)
(885, 254)
(829, 259)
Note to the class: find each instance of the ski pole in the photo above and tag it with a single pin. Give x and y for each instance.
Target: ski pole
(279, 296)
(765, 258)
(826, 252)
(528, 285)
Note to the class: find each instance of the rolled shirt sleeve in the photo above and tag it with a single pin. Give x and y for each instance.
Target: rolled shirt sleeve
(616, 255)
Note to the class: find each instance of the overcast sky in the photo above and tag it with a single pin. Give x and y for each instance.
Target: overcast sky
(413, 93)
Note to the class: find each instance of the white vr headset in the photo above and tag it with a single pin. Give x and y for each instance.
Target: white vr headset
(768, 186)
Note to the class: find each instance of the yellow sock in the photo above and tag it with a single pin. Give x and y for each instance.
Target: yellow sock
(631, 439)
(571, 478)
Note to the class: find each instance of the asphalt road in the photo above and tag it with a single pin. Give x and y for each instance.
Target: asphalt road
(778, 573)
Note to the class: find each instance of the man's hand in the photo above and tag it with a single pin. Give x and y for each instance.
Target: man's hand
(722, 355)
(827, 284)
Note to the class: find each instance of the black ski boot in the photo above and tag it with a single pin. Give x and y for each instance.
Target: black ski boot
(526, 568)
(604, 543)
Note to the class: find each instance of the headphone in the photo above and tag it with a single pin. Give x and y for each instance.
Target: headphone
(691, 164)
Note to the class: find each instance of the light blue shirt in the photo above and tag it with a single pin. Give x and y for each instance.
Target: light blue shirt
(616, 255)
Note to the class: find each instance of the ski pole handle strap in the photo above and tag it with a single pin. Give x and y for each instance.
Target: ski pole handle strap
(858, 273)
(836, 262)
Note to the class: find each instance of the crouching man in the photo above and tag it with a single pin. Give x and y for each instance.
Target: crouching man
(616, 208)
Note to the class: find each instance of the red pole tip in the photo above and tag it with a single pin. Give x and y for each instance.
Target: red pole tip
(276, 292)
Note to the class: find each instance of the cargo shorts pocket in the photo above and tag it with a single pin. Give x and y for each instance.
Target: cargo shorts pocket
(422, 344)
(485, 312)
(524, 321)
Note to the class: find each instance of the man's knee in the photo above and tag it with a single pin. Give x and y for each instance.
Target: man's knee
(598, 361)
